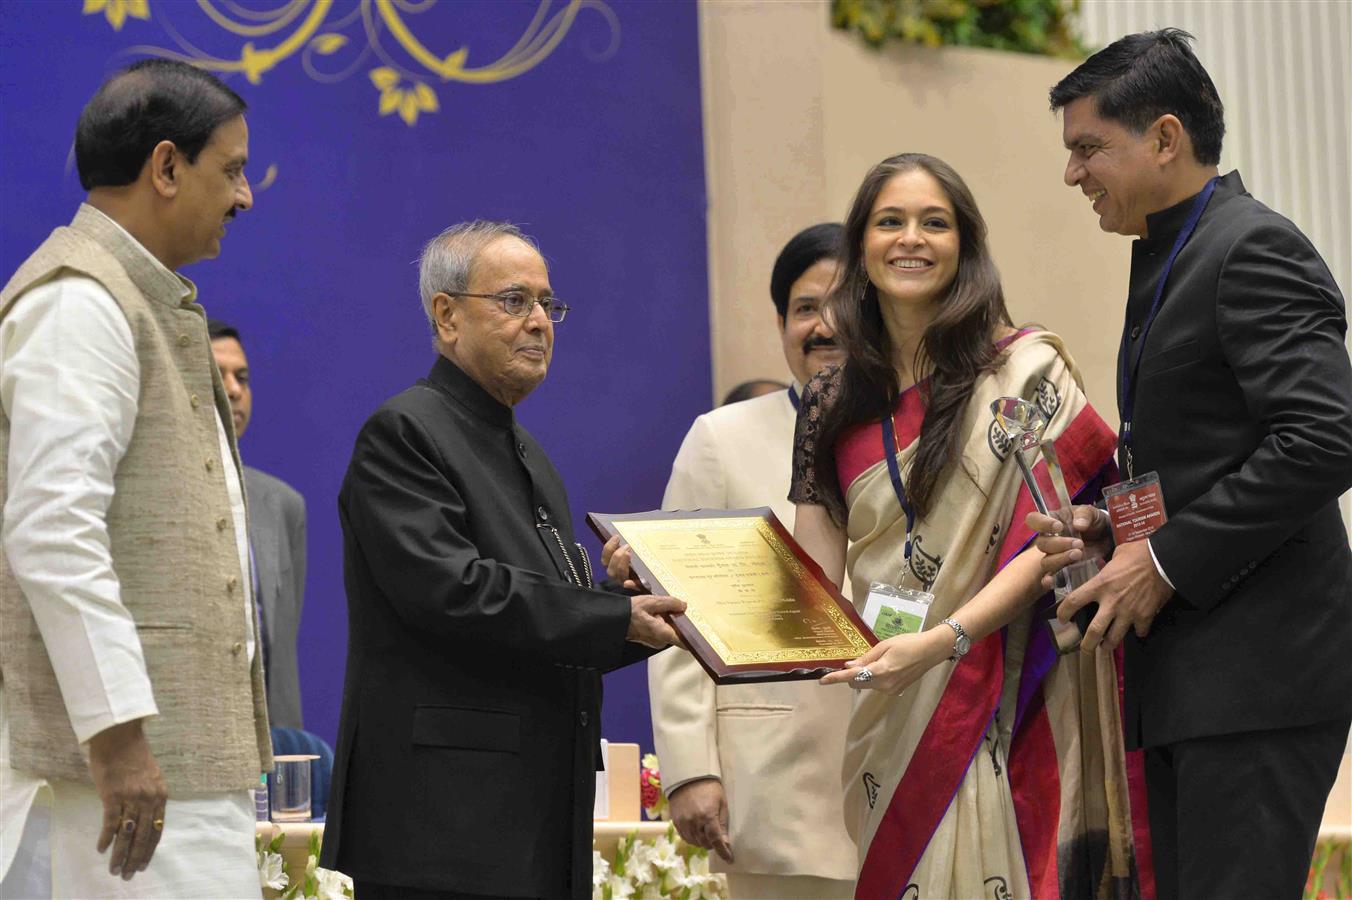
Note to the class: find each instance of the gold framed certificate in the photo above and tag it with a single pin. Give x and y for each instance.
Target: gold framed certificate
(758, 608)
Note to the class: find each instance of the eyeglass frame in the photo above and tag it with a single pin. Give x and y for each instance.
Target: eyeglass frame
(554, 304)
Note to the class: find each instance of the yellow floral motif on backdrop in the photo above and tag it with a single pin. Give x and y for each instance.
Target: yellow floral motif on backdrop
(333, 40)
(117, 11)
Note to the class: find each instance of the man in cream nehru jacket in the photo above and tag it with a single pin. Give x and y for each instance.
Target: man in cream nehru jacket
(753, 771)
(130, 685)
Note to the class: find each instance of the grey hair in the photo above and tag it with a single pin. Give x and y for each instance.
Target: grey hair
(446, 261)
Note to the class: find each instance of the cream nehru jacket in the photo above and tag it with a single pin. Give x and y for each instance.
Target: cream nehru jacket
(778, 748)
(172, 539)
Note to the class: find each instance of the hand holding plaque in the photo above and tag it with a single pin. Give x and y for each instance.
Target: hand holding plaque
(758, 608)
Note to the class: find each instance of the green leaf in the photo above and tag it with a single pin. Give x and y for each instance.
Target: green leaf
(1026, 26)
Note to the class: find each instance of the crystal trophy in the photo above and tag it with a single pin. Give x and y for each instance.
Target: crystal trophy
(1025, 423)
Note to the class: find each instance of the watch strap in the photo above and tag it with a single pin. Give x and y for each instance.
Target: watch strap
(960, 635)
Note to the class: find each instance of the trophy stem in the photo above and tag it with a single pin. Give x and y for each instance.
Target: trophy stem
(1058, 479)
(1071, 577)
(1025, 425)
(1026, 467)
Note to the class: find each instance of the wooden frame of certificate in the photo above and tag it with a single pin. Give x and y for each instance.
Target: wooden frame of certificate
(758, 608)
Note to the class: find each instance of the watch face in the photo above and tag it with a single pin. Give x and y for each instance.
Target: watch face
(963, 644)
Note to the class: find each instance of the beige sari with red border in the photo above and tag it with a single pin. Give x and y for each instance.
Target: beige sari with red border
(1002, 775)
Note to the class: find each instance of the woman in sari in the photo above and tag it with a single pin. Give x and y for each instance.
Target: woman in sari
(999, 771)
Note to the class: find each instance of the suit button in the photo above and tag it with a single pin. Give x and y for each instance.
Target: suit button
(521, 448)
(210, 464)
(1135, 332)
(582, 718)
(221, 523)
(195, 401)
(231, 583)
(542, 513)
(237, 648)
(184, 340)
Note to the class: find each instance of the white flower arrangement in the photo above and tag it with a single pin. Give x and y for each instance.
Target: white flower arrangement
(316, 884)
(660, 869)
(271, 866)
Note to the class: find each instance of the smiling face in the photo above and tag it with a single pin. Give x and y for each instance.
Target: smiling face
(809, 345)
(1122, 173)
(911, 242)
(506, 355)
(210, 191)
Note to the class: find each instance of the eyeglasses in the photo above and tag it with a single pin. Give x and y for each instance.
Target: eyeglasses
(520, 304)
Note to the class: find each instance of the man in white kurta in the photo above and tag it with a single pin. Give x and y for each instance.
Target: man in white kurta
(753, 771)
(95, 329)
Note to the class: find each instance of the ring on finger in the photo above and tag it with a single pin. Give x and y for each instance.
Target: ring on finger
(128, 825)
(158, 824)
(863, 676)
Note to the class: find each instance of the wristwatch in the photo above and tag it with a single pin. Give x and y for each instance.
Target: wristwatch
(961, 644)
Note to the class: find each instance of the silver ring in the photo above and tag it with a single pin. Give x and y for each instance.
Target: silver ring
(863, 676)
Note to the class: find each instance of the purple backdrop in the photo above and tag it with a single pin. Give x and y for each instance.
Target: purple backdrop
(581, 122)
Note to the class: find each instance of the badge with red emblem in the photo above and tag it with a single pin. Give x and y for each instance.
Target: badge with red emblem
(1136, 508)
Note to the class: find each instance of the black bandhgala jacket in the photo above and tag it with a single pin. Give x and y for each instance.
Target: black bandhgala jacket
(1244, 407)
(472, 702)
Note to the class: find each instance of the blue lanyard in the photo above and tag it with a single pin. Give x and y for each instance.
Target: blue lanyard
(1127, 371)
(890, 451)
(793, 398)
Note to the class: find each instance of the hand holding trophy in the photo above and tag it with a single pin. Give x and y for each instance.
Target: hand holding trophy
(1025, 424)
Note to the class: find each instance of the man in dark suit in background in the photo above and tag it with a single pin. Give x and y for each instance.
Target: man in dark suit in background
(277, 541)
(1235, 387)
(467, 751)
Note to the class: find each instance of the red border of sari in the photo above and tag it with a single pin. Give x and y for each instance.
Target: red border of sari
(954, 733)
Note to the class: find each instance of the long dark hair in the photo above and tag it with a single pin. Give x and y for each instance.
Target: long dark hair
(957, 346)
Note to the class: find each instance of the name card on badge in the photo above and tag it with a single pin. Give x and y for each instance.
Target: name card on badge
(1136, 508)
(891, 611)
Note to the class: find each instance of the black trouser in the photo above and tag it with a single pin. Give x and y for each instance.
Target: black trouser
(370, 890)
(1237, 815)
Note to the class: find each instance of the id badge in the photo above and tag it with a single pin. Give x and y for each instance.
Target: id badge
(891, 611)
(1136, 508)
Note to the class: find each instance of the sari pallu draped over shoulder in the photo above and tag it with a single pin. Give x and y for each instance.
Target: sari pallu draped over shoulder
(1002, 775)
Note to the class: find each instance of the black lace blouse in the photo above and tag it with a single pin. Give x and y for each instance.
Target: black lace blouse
(818, 394)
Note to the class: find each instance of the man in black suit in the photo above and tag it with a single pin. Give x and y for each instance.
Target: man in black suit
(471, 710)
(1236, 390)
